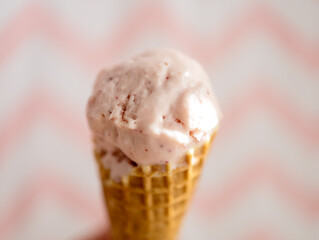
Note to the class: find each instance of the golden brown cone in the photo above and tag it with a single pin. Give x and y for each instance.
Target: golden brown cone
(150, 202)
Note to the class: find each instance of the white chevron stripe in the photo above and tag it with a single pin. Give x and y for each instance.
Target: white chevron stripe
(261, 207)
(261, 138)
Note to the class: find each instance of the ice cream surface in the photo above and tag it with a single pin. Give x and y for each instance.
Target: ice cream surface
(153, 107)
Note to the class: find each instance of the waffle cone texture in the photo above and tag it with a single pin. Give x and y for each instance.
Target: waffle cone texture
(150, 202)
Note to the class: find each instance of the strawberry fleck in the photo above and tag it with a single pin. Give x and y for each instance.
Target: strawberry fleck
(164, 116)
(140, 131)
(146, 150)
(103, 115)
(193, 132)
(116, 97)
(179, 121)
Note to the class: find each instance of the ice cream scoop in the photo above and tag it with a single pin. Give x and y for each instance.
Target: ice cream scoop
(153, 119)
(153, 107)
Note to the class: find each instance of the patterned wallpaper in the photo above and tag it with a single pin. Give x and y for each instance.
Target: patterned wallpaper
(261, 181)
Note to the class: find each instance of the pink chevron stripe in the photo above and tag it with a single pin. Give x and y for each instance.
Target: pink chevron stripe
(263, 234)
(258, 234)
(216, 202)
(100, 235)
(38, 104)
(37, 19)
(263, 97)
(41, 103)
(47, 185)
(53, 187)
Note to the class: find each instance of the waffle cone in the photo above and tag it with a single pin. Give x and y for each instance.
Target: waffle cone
(150, 202)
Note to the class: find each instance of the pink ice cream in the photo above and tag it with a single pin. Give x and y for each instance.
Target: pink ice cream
(153, 107)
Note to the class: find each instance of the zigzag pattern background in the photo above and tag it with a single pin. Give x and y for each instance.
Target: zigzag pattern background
(49, 131)
(37, 19)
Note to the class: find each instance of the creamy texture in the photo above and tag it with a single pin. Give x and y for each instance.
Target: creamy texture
(115, 160)
(153, 107)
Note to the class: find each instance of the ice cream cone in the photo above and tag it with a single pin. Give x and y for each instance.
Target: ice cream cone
(150, 202)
